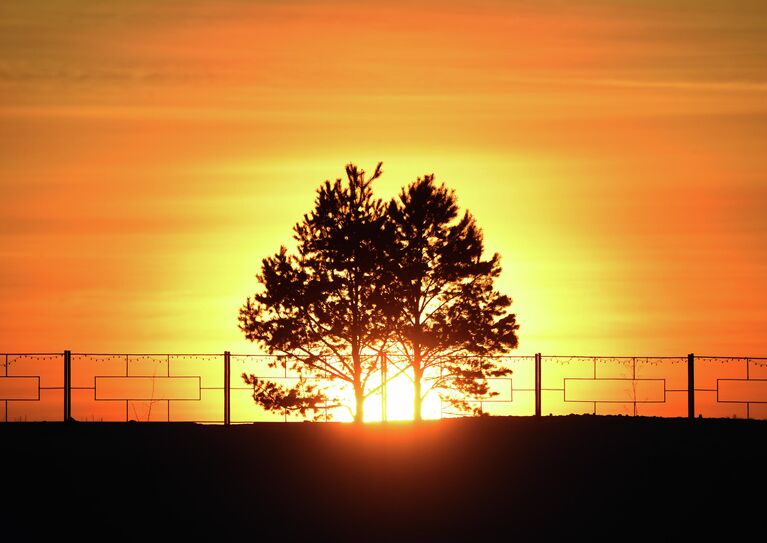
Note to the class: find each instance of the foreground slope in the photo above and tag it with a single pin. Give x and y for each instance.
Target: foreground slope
(490, 479)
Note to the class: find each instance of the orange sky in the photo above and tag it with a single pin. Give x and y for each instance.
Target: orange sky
(151, 153)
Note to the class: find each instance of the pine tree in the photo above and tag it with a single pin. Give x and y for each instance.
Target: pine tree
(324, 309)
(450, 317)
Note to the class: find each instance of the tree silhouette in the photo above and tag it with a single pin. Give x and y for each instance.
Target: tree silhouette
(324, 308)
(449, 314)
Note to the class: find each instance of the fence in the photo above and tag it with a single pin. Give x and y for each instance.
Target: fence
(208, 388)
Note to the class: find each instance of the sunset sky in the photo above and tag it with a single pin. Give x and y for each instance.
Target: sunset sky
(614, 153)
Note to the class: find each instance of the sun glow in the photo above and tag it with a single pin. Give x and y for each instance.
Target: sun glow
(398, 402)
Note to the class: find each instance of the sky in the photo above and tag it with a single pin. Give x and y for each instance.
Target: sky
(152, 153)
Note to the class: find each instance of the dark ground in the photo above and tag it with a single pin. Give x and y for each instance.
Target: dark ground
(494, 479)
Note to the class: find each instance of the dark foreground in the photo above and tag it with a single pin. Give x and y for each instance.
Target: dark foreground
(521, 479)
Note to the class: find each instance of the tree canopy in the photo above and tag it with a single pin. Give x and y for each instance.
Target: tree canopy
(368, 277)
(449, 314)
(323, 307)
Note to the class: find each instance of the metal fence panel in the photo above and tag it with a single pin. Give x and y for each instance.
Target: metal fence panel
(209, 388)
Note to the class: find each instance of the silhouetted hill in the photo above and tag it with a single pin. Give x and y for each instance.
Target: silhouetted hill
(580, 477)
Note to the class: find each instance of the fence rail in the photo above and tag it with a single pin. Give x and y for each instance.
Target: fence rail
(208, 388)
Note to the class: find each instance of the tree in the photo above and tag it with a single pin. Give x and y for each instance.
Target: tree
(449, 314)
(324, 308)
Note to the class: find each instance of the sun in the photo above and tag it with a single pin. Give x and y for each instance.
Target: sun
(399, 402)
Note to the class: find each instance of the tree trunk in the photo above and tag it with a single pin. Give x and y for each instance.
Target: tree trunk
(359, 391)
(359, 402)
(417, 374)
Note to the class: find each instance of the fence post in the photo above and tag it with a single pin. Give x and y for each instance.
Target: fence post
(691, 386)
(67, 386)
(227, 388)
(537, 384)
